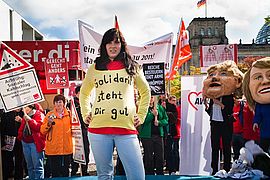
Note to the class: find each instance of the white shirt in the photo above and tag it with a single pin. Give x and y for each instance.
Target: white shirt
(217, 113)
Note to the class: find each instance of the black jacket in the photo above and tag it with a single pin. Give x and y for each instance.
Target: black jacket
(8, 125)
(172, 119)
(227, 112)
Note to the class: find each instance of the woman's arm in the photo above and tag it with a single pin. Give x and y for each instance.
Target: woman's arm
(144, 91)
(85, 91)
(36, 121)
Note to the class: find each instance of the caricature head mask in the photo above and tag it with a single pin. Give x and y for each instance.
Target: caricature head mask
(256, 85)
(223, 79)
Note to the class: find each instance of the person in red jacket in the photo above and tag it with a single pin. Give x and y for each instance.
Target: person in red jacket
(33, 142)
(248, 133)
(242, 126)
(176, 139)
(237, 137)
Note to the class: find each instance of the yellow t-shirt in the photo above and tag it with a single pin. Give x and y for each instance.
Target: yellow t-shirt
(114, 104)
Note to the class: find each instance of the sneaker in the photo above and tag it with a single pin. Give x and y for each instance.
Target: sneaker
(26, 177)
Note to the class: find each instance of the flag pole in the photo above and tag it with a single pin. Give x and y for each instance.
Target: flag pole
(169, 87)
(1, 171)
(206, 8)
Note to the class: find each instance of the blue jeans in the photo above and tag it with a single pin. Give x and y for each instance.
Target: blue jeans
(128, 149)
(34, 161)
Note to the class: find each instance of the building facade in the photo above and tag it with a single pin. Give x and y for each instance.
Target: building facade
(212, 31)
(28, 42)
(13, 27)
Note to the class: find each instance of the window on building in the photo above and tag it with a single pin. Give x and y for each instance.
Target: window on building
(216, 31)
(209, 31)
(202, 32)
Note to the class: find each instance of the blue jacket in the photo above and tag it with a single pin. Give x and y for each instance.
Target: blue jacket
(262, 118)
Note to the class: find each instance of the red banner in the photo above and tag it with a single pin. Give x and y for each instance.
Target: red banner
(56, 71)
(36, 52)
(182, 51)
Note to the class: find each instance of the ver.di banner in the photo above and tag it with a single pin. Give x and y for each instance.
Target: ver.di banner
(35, 52)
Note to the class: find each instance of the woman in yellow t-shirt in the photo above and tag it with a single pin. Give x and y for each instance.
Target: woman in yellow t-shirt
(113, 118)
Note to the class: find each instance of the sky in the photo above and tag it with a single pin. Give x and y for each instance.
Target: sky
(140, 20)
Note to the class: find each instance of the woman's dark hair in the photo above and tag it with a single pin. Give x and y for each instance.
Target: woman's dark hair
(131, 66)
(19, 113)
(59, 97)
(32, 106)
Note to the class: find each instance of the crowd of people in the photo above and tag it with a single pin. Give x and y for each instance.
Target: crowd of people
(116, 122)
(144, 131)
(25, 155)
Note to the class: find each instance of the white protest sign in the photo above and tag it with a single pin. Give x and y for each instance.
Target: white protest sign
(77, 137)
(155, 51)
(195, 143)
(20, 90)
(89, 44)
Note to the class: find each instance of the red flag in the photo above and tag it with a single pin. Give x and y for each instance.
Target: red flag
(116, 25)
(201, 3)
(182, 52)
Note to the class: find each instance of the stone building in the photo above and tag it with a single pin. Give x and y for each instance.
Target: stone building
(212, 31)
(261, 46)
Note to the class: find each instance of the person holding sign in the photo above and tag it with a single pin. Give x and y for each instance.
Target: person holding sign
(33, 142)
(113, 118)
(151, 134)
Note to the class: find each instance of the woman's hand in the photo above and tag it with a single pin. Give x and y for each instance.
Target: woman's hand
(155, 112)
(26, 118)
(18, 119)
(88, 118)
(156, 122)
(137, 121)
(216, 101)
(255, 127)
